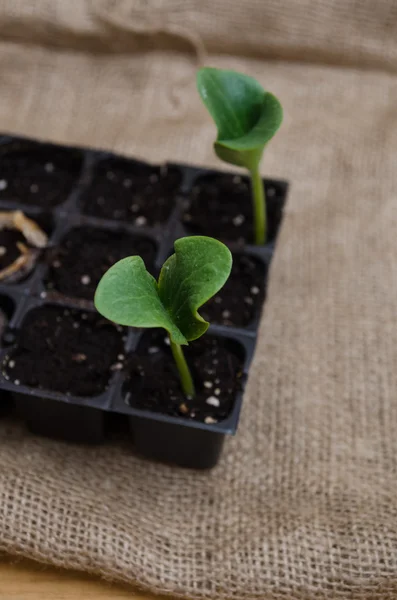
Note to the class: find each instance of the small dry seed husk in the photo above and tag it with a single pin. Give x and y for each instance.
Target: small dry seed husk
(22, 264)
(33, 234)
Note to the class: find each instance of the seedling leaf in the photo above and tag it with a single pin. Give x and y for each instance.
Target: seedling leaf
(189, 278)
(246, 115)
(127, 294)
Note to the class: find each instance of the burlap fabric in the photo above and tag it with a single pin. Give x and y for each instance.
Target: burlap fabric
(304, 502)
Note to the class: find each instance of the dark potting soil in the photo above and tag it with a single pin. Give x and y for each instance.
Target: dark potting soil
(133, 192)
(85, 254)
(36, 175)
(68, 351)
(221, 207)
(154, 383)
(240, 300)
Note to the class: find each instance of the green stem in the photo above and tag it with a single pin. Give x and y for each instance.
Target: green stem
(259, 206)
(184, 371)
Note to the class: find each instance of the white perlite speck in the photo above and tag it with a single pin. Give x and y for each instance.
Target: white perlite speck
(3, 184)
(11, 364)
(255, 290)
(140, 221)
(85, 280)
(226, 314)
(208, 384)
(3, 250)
(238, 220)
(127, 183)
(49, 167)
(117, 366)
(213, 401)
(153, 349)
(120, 357)
(217, 391)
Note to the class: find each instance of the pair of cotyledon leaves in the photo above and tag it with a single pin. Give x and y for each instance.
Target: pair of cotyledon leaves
(246, 117)
(127, 294)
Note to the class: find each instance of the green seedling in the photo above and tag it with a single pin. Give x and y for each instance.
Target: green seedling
(247, 117)
(128, 295)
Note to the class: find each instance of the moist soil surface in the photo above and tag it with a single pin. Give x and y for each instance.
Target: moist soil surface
(37, 176)
(133, 192)
(240, 300)
(85, 254)
(221, 207)
(154, 385)
(67, 351)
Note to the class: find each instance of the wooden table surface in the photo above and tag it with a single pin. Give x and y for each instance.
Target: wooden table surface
(26, 580)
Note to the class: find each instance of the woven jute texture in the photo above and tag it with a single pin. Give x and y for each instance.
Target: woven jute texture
(304, 502)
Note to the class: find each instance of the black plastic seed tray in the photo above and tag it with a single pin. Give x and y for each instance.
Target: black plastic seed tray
(31, 175)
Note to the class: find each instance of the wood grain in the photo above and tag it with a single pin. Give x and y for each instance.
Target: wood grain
(27, 580)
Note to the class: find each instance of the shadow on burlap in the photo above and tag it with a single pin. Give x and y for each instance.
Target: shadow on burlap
(304, 502)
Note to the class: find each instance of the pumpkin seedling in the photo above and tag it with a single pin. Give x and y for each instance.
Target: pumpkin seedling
(128, 295)
(247, 117)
